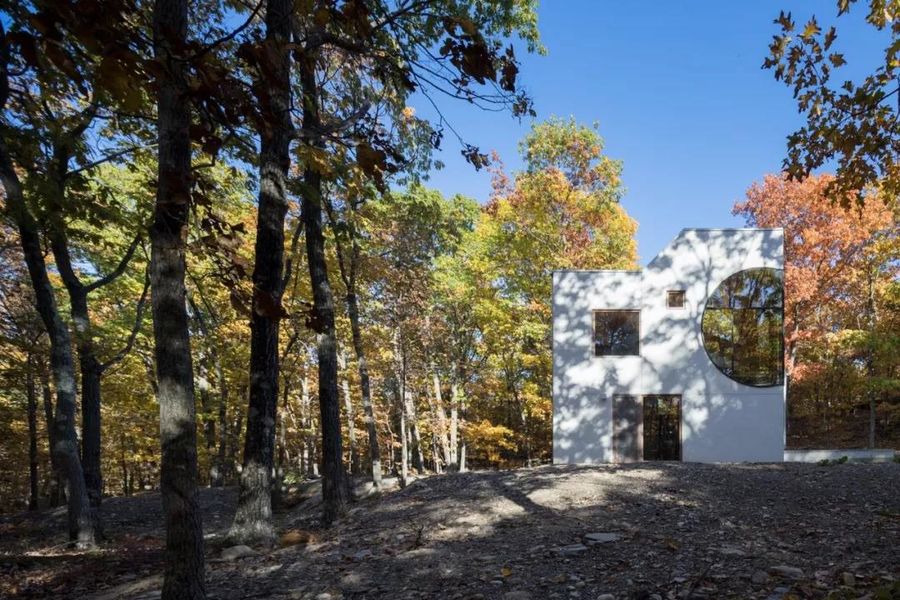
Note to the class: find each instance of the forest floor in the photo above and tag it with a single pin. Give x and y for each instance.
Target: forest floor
(647, 531)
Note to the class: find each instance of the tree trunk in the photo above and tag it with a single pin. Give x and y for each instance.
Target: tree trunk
(462, 457)
(234, 436)
(56, 484)
(870, 367)
(405, 403)
(454, 426)
(307, 427)
(90, 396)
(348, 269)
(90, 426)
(441, 417)
(348, 409)
(184, 560)
(462, 438)
(281, 455)
(404, 448)
(219, 473)
(80, 523)
(415, 438)
(123, 464)
(392, 453)
(90, 367)
(364, 384)
(209, 423)
(253, 519)
(31, 391)
(436, 461)
(335, 491)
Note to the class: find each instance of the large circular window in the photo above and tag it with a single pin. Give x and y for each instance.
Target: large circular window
(742, 327)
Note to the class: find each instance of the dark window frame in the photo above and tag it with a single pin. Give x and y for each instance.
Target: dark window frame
(614, 310)
(678, 293)
(732, 373)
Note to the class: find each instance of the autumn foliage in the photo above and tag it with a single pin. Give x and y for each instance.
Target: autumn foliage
(841, 297)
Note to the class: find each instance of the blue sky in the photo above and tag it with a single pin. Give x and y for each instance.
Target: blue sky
(679, 95)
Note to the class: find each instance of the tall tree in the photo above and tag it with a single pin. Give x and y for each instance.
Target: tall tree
(253, 520)
(560, 212)
(65, 446)
(184, 561)
(22, 337)
(357, 64)
(409, 232)
(347, 248)
(57, 102)
(57, 177)
(91, 367)
(31, 390)
(335, 489)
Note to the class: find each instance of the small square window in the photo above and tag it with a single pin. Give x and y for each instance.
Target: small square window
(617, 332)
(675, 299)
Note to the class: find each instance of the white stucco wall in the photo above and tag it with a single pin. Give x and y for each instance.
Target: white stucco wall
(722, 420)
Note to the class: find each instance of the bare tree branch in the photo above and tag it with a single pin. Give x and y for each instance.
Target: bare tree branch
(138, 319)
(120, 268)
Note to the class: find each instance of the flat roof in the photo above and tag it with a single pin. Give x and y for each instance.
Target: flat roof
(597, 271)
(683, 230)
(732, 229)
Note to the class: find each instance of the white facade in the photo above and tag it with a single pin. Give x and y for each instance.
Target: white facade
(721, 420)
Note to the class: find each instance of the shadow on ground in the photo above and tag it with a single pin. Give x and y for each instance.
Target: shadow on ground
(676, 531)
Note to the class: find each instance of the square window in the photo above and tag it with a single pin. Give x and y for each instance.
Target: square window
(617, 332)
(675, 299)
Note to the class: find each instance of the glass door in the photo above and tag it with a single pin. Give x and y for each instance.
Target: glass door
(662, 427)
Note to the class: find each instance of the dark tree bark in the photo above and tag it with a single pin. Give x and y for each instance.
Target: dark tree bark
(282, 454)
(91, 369)
(348, 266)
(88, 364)
(253, 519)
(56, 485)
(220, 474)
(365, 387)
(462, 438)
(31, 392)
(335, 489)
(65, 441)
(184, 561)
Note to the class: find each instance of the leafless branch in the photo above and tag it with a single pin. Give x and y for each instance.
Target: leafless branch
(138, 318)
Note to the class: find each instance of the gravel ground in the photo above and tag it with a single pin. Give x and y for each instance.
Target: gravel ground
(647, 531)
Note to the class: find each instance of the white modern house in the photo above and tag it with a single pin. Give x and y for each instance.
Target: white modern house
(682, 360)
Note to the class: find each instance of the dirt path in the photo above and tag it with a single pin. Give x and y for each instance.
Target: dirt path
(638, 532)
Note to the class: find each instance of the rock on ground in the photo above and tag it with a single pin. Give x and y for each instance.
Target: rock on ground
(650, 530)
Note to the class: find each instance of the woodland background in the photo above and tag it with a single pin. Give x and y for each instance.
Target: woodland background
(222, 265)
(456, 320)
